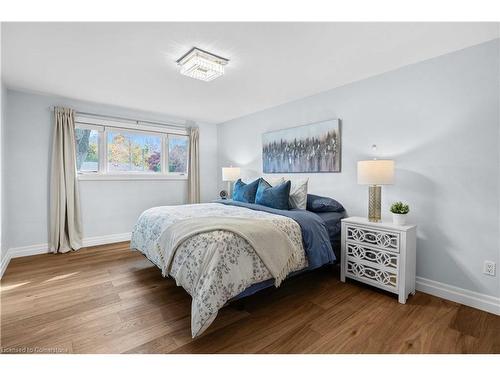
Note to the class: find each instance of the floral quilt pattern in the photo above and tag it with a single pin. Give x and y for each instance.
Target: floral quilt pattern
(212, 267)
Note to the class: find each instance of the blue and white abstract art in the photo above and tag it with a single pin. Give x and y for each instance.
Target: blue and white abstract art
(310, 148)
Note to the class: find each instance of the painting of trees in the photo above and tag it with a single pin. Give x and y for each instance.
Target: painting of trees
(304, 149)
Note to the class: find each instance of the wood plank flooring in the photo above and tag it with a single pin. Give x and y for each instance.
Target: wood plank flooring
(108, 299)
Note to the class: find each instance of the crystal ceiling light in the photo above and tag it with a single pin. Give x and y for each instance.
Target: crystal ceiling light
(202, 65)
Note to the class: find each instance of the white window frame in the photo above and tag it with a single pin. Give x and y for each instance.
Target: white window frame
(104, 126)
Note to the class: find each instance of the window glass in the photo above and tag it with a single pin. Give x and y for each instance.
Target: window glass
(133, 152)
(87, 150)
(178, 153)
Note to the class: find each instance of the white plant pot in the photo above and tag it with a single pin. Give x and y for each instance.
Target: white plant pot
(399, 219)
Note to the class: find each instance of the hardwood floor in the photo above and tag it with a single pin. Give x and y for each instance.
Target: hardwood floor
(108, 299)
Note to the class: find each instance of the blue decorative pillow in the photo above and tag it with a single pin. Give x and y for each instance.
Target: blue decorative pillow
(274, 197)
(245, 192)
(315, 203)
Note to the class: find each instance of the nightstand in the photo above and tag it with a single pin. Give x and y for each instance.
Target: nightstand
(380, 254)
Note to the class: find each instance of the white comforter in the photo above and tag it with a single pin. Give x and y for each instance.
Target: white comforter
(212, 267)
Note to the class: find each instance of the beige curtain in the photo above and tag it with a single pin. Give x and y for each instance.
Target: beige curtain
(65, 221)
(194, 166)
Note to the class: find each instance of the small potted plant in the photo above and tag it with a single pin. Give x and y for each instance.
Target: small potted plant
(399, 211)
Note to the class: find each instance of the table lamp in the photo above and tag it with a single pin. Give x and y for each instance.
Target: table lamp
(375, 173)
(230, 174)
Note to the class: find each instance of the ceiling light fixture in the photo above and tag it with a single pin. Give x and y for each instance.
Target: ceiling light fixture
(202, 65)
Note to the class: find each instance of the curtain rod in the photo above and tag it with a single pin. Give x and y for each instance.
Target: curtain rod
(127, 119)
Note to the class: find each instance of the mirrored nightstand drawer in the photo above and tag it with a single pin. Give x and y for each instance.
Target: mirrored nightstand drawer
(381, 239)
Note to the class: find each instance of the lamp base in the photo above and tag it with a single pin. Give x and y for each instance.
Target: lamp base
(374, 203)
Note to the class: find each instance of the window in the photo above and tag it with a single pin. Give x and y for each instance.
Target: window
(115, 151)
(87, 150)
(177, 154)
(133, 152)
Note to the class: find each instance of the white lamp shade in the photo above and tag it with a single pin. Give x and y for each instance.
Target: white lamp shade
(230, 173)
(376, 172)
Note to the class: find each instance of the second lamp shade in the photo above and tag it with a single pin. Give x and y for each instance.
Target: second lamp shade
(376, 172)
(230, 173)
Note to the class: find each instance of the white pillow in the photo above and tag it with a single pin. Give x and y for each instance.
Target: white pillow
(273, 181)
(298, 194)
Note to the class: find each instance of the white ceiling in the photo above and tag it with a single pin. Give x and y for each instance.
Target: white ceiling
(133, 64)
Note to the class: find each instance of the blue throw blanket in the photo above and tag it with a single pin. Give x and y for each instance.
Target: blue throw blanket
(314, 232)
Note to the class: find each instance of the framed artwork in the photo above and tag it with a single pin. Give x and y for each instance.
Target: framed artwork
(313, 148)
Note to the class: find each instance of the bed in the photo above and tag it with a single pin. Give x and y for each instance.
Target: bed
(219, 266)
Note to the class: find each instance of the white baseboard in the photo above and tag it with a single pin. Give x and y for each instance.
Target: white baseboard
(26, 251)
(22, 251)
(4, 263)
(103, 240)
(43, 248)
(466, 297)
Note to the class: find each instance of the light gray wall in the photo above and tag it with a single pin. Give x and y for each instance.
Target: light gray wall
(439, 120)
(108, 207)
(3, 248)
